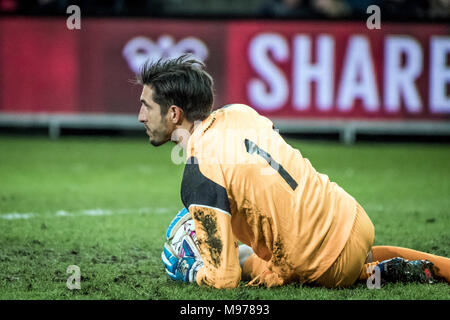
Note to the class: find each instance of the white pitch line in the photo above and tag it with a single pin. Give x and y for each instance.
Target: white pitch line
(15, 215)
(96, 212)
(87, 212)
(62, 213)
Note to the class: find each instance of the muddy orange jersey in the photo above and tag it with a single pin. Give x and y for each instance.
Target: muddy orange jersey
(243, 182)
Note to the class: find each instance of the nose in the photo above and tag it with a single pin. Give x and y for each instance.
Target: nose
(141, 116)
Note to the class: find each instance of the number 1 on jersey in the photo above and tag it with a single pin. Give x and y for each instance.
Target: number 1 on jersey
(252, 147)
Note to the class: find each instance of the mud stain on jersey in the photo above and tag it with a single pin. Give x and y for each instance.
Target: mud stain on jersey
(213, 241)
(260, 227)
(280, 259)
(278, 253)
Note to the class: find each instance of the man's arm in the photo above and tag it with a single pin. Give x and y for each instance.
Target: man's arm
(218, 248)
(207, 201)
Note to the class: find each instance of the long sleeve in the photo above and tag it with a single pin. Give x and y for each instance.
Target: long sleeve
(208, 204)
(218, 248)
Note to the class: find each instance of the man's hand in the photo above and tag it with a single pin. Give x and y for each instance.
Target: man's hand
(180, 269)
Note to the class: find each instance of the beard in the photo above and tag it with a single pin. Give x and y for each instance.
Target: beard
(157, 143)
(159, 138)
(161, 133)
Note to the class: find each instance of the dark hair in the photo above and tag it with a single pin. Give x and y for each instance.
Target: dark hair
(180, 82)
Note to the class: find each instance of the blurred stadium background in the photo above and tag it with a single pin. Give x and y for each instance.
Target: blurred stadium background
(80, 185)
(314, 67)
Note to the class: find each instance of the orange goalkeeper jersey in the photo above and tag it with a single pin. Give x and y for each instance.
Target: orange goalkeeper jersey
(243, 182)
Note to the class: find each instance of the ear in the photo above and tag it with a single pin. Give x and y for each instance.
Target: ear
(176, 114)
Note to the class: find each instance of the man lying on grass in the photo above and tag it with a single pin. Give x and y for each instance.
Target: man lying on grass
(243, 182)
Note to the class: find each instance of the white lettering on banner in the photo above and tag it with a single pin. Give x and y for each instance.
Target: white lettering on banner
(304, 72)
(439, 74)
(278, 92)
(358, 77)
(403, 65)
(141, 49)
(399, 81)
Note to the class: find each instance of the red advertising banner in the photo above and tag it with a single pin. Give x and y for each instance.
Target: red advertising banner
(45, 67)
(295, 70)
(340, 70)
(39, 69)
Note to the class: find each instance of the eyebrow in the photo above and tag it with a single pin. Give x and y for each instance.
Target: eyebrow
(145, 102)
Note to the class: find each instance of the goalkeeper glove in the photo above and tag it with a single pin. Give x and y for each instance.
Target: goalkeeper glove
(180, 269)
(181, 217)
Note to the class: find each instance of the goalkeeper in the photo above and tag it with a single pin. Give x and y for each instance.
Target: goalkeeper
(243, 182)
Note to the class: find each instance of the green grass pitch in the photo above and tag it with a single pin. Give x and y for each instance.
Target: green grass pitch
(104, 204)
